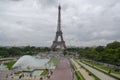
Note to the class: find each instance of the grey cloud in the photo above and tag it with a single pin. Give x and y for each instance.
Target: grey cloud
(34, 22)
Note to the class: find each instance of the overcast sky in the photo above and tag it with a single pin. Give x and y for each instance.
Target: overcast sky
(34, 22)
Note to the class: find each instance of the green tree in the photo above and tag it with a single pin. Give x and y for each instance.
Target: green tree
(13, 51)
(99, 48)
(113, 45)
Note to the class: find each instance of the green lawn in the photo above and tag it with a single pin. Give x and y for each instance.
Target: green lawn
(9, 64)
(55, 61)
(44, 72)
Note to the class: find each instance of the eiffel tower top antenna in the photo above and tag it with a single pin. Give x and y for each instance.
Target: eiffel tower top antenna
(59, 2)
(59, 5)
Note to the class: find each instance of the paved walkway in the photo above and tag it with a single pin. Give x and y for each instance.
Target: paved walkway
(83, 71)
(63, 71)
(99, 74)
(3, 74)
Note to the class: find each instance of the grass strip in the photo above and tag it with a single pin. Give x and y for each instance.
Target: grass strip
(101, 70)
(45, 71)
(77, 73)
(90, 73)
(101, 66)
(9, 64)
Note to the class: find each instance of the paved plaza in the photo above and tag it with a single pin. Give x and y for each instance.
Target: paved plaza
(63, 71)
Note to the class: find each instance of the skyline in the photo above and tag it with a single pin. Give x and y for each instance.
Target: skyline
(34, 22)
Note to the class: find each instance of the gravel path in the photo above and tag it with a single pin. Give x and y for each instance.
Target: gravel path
(63, 71)
(99, 74)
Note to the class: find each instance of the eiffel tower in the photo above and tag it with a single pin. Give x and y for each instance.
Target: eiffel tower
(58, 33)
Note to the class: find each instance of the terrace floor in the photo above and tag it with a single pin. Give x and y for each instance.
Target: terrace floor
(63, 71)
